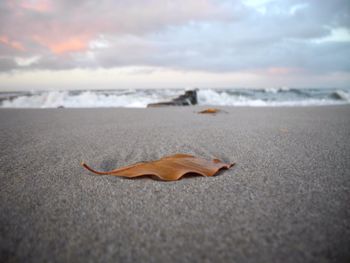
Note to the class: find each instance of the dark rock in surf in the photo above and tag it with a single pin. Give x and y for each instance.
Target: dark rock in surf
(187, 99)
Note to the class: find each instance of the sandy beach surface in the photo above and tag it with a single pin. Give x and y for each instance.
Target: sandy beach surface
(287, 199)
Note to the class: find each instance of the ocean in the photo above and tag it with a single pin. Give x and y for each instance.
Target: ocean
(140, 98)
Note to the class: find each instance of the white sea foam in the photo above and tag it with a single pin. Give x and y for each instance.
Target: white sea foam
(270, 98)
(89, 99)
(141, 98)
(343, 95)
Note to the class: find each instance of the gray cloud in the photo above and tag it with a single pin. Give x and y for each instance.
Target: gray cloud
(212, 35)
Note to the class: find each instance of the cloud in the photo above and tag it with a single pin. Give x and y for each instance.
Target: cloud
(11, 43)
(271, 36)
(32, 21)
(25, 62)
(35, 5)
(70, 44)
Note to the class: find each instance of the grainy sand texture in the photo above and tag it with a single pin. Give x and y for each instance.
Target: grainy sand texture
(286, 200)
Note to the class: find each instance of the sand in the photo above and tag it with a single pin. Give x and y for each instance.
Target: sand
(287, 200)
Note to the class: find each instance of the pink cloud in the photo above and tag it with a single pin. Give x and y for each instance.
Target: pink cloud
(36, 5)
(11, 43)
(70, 44)
(69, 26)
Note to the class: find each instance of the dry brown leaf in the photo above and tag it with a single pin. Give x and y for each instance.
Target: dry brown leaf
(169, 168)
(209, 111)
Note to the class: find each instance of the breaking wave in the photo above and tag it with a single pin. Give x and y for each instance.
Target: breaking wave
(88, 99)
(141, 98)
(273, 97)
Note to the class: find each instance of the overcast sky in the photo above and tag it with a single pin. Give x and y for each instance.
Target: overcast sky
(65, 44)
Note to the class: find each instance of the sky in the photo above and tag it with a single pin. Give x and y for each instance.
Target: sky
(106, 44)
